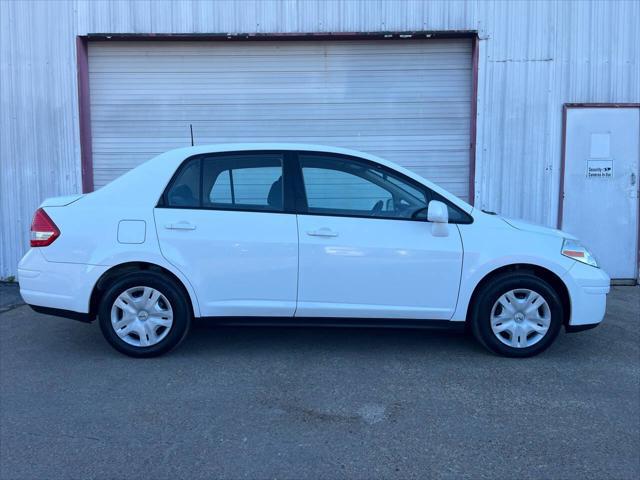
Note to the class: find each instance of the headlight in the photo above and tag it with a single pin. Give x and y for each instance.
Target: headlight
(574, 249)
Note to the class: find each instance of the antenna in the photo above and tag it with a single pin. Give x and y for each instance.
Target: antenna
(191, 129)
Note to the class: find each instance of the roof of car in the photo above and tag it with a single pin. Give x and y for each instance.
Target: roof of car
(238, 147)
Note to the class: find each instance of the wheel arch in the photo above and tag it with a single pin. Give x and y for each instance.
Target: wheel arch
(136, 266)
(544, 273)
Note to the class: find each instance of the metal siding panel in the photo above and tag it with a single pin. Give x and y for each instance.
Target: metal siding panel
(535, 56)
(39, 153)
(594, 46)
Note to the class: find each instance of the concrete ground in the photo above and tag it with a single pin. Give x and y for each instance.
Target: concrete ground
(9, 296)
(319, 403)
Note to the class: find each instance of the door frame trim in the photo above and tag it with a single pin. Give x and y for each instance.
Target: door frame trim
(84, 100)
(84, 114)
(565, 109)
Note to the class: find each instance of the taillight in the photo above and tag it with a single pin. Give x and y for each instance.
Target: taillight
(43, 230)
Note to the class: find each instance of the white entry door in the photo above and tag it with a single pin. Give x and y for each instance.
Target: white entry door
(601, 185)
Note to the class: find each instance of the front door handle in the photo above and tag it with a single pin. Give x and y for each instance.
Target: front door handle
(180, 226)
(323, 232)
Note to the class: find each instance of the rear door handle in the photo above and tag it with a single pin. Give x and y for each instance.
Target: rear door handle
(323, 232)
(180, 226)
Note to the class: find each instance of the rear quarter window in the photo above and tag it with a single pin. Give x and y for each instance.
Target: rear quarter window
(185, 189)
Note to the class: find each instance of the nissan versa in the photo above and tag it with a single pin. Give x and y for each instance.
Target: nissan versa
(300, 234)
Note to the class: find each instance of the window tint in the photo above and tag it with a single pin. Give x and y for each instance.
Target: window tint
(335, 189)
(245, 182)
(406, 187)
(344, 186)
(185, 191)
(221, 189)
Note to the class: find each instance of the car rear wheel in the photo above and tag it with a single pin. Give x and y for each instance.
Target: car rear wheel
(517, 315)
(144, 314)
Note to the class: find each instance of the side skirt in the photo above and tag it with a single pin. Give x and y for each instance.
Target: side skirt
(336, 322)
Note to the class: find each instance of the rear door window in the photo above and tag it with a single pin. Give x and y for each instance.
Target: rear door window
(243, 182)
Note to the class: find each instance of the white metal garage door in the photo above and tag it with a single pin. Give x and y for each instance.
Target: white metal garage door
(407, 101)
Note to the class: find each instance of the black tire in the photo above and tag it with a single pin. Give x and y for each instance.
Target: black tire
(490, 293)
(182, 316)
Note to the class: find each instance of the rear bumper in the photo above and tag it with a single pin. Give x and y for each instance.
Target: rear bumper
(588, 288)
(55, 285)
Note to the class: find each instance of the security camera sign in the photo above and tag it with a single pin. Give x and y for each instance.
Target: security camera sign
(599, 168)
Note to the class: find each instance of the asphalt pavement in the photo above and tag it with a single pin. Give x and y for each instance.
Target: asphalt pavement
(254, 402)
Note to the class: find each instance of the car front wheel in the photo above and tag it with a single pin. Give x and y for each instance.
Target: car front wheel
(517, 315)
(144, 314)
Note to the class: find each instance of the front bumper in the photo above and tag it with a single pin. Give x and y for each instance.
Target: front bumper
(588, 288)
(57, 285)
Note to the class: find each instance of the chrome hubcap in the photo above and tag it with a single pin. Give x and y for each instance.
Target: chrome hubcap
(141, 316)
(520, 318)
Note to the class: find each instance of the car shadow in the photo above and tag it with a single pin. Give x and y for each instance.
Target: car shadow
(209, 339)
(206, 336)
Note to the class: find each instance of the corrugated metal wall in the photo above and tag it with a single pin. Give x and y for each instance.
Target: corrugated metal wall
(534, 56)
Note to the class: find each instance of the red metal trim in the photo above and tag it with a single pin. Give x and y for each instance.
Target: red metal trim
(84, 114)
(562, 163)
(602, 105)
(409, 35)
(474, 112)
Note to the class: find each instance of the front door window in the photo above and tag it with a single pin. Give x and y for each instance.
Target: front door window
(348, 187)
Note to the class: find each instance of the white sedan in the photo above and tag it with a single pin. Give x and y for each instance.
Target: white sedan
(300, 234)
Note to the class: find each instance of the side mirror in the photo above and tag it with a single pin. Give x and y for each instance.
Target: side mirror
(438, 215)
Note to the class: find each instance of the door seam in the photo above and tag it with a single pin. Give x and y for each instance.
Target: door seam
(295, 310)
